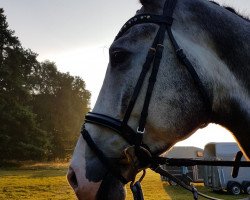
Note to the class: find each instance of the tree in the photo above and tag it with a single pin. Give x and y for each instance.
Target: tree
(20, 135)
(41, 109)
(60, 102)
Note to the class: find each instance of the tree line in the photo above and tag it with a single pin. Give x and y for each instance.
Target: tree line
(41, 109)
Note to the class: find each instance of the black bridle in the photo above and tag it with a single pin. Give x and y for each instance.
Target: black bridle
(153, 59)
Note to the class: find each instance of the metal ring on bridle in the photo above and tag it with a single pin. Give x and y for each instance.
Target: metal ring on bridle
(141, 132)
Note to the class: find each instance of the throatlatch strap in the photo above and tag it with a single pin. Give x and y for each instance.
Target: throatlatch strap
(183, 59)
(139, 83)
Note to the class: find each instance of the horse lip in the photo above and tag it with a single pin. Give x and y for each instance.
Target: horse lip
(72, 179)
(74, 183)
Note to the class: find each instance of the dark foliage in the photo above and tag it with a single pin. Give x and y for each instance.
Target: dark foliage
(41, 109)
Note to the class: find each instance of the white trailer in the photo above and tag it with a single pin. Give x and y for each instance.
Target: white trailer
(220, 178)
(194, 173)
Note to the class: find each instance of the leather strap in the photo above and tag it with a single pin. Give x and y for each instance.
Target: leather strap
(116, 125)
(184, 60)
(105, 161)
(163, 172)
(145, 18)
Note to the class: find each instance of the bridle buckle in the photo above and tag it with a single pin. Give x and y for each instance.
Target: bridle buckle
(140, 132)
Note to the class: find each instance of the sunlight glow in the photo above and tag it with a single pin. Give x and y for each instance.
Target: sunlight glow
(212, 133)
(90, 63)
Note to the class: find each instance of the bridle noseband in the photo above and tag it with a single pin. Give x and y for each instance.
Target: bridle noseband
(153, 59)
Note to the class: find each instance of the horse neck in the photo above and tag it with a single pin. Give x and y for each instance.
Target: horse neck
(232, 41)
(229, 39)
(230, 35)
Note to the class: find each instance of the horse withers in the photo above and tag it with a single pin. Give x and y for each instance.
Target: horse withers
(215, 40)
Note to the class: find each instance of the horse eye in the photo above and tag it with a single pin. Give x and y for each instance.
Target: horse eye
(118, 57)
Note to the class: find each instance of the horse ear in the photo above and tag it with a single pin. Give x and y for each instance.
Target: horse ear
(151, 4)
(143, 2)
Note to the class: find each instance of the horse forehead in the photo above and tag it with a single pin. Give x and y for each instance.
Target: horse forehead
(135, 34)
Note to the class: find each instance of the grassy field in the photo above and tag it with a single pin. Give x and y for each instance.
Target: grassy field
(35, 182)
(48, 181)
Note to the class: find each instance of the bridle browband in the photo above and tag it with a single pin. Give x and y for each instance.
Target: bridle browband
(153, 59)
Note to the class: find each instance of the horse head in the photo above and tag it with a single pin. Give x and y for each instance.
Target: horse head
(162, 104)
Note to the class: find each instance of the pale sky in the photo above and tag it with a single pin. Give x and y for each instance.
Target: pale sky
(76, 34)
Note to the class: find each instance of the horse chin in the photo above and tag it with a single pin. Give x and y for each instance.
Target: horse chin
(111, 189)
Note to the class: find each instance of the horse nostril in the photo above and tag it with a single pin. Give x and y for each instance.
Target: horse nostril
(71, 176)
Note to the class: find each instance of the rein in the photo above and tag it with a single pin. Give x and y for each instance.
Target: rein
(192, 162)
(135, 138)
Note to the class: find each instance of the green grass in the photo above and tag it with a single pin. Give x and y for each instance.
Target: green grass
(46, 181)
(172, 190)
(155, 189)
(35, 182)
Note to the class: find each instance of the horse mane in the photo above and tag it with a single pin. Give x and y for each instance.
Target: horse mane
(147, 2)
(233, 11)
(229, 35)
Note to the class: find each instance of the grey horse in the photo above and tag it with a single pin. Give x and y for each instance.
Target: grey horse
(217, 42)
